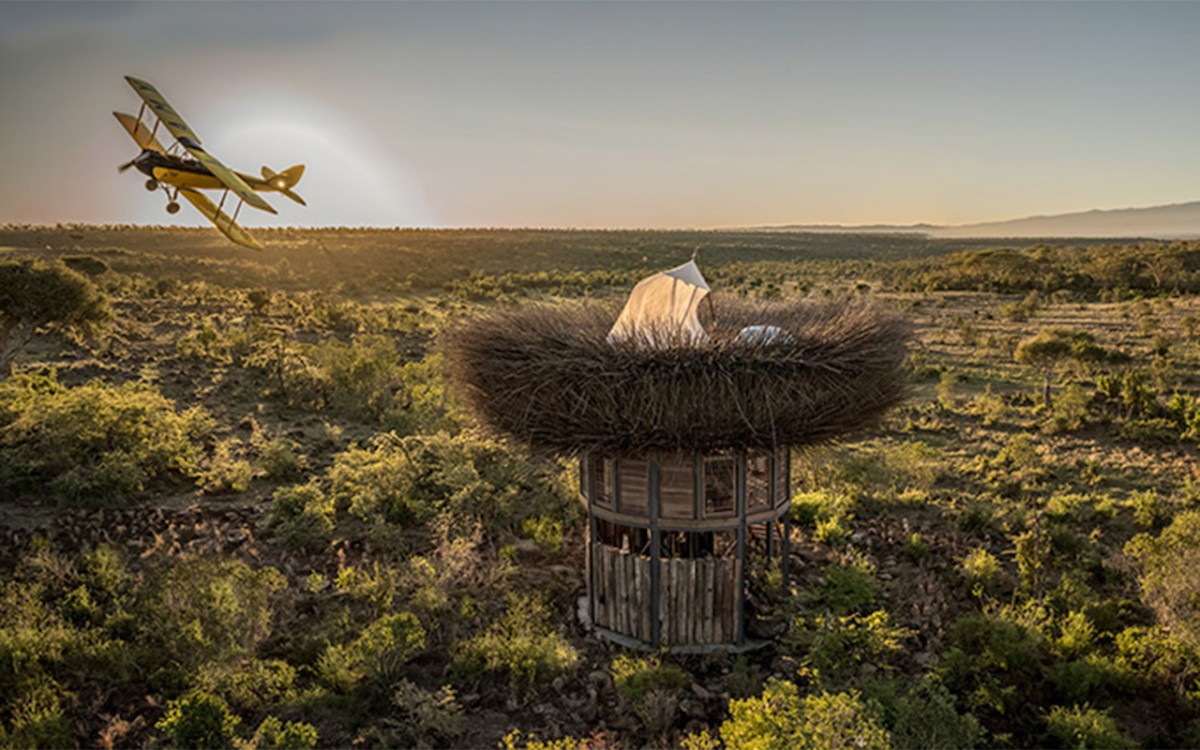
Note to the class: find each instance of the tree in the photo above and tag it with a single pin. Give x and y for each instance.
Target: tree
(35, 295)
(1054, 346)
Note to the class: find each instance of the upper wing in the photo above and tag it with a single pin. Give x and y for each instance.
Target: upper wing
(219, 218)
(189, 140)
(164, 111)
(139, 132)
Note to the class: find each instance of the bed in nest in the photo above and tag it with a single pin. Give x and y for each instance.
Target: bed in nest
(548, 377)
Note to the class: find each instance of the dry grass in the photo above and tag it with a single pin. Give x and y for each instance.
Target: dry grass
(549, 378)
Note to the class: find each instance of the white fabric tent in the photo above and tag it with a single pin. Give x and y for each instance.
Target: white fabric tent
(663, 309)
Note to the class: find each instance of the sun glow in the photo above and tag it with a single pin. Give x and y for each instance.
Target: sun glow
(347, 182)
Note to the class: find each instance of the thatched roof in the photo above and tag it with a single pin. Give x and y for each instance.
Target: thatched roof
(547, 377)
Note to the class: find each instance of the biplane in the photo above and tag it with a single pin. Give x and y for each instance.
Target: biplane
(176, 174)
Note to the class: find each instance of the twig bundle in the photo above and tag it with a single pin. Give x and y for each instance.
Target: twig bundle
(547, 377)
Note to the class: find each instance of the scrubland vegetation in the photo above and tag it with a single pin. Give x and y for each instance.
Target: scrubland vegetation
(241, 509)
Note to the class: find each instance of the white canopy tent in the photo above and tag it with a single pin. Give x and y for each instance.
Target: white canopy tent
(663, 309)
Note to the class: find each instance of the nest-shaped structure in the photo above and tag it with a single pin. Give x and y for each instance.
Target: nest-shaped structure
(549, 377)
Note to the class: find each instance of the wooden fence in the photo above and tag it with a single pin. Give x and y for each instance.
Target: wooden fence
(698, 600)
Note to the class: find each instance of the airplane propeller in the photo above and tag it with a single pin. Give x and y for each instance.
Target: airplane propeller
(126, 165)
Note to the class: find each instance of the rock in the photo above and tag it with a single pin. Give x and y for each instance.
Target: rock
(526, 546)
(926, 659)
(701, 692)
(693, 708)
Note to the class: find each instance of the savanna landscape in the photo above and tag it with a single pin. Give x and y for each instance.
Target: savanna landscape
(241, 505)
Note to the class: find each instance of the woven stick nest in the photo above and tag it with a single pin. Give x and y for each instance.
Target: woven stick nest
(548, 377)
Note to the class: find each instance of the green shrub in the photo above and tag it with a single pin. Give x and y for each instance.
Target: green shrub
(381, 649)
(1083, 727)
(781, 720)
(301, 517)
(546, 532)
(1086, 678)
(462, 477)
(994, 662)
(982, 570)
(280, 459)
(273, 734)
(521, 644)
(249, 684)
(1170, 577)
(210, 609)
(833, 648)
(925, 717)
(199, 722)
(37, 717)
(95, 442)
(635, 676)
(225, 472)
(36, 295)
(848, 585)
(811, 508)
(422, 718)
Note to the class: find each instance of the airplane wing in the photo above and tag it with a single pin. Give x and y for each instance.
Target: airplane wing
(139, 132)
(219, 218)
(164, 111)
(190, 141)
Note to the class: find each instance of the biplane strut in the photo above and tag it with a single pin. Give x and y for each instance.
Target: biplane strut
(186, 167)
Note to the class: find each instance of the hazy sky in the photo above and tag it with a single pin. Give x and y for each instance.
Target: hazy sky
(669, 114)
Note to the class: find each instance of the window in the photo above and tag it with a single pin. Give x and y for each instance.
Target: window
(720, 486)
(758, 481)
(602, 481)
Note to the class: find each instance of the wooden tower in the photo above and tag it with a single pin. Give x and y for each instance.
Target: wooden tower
(684, 432)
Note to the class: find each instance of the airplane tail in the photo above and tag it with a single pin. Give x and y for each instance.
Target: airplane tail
(285, 180)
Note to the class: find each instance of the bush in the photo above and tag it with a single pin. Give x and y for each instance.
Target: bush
(832, 649)
(462, 477)
(34, 295)
(1085, 727)
(381, 649)
(423, 718)
(301, 517)
(1170, 577)
(848, 586)
(520, 644)
(250, 684)
(199, 722)
(225, 472)
(280, 459)
(994, 662)
(273, 734)
(982, 571)
(781, 720)
(203, 610)
(925, 717)
(94, 442)
(635, 676)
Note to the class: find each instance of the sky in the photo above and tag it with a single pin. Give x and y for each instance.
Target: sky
(613, 114)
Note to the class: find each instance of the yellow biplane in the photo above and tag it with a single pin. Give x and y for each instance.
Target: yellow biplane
(176, 174)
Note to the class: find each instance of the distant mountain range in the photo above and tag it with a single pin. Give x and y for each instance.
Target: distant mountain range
(1175, 221)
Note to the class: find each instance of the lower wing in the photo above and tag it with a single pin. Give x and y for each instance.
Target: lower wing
(220, 219)
(139, 132)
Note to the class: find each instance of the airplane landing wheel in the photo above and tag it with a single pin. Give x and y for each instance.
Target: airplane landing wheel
(172, 207)
(152, 184)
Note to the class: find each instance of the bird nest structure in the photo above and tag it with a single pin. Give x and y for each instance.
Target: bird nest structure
(810, 371)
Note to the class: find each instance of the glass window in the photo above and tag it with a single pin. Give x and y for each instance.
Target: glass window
(720, 485)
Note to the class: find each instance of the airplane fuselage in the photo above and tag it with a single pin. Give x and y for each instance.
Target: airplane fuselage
(183, 172)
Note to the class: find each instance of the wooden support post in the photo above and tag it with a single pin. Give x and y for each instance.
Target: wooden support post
(740, 494)
(655, 554)
(591, 570)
